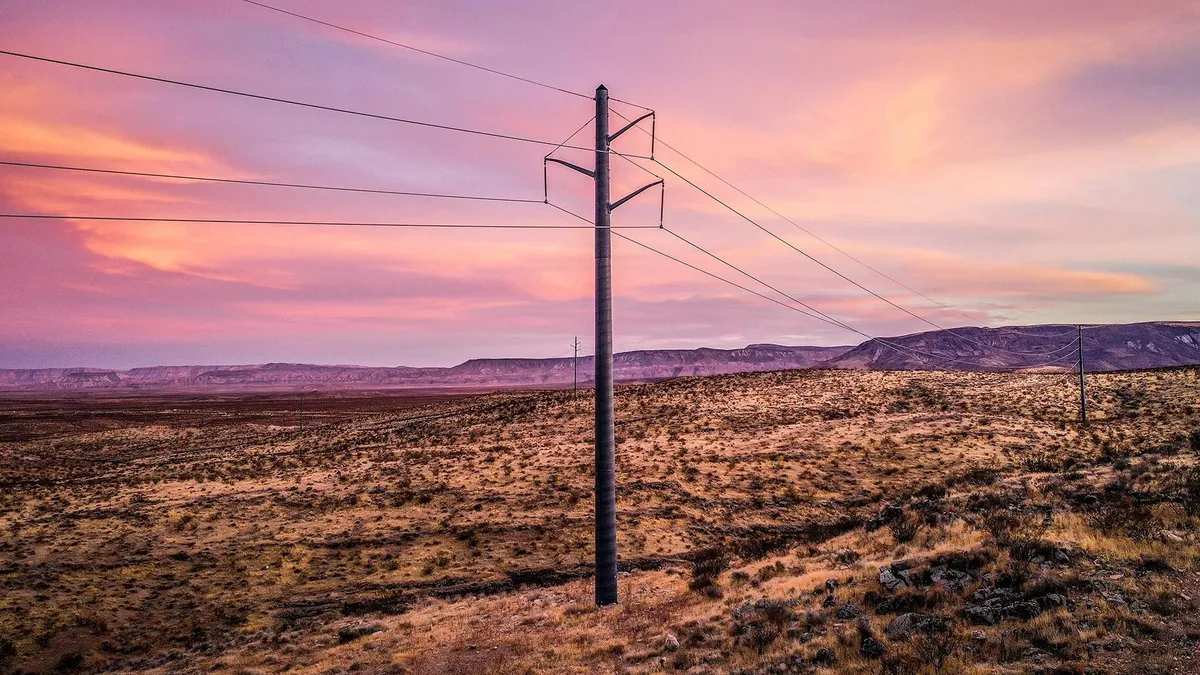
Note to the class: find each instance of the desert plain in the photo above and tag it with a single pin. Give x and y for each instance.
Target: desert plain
(794, 521)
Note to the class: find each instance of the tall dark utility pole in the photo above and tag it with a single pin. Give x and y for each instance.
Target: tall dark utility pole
(606, 489)
(1082, 392)
(605, 432)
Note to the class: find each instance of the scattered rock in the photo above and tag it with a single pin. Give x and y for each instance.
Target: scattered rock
(831, 585)
(1024, 610)
(829, 601)
(902, 626)
(1034, 654)
(1061, 557)
(870, 648)
(979, 636)
(846, 612)
(824, 657)
(1170, 537)
(1051, 600)
(889, 580)
(954, 580)
(981, 615)
(670, 642)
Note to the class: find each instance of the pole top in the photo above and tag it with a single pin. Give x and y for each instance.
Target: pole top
(602, 88)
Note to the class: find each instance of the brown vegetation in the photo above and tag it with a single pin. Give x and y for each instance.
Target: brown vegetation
(772, 522)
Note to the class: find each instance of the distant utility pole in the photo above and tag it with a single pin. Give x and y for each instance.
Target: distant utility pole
(605, 432)
(1082, 392)
(575, 385)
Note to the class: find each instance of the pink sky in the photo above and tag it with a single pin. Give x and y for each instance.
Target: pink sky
(1023, 162)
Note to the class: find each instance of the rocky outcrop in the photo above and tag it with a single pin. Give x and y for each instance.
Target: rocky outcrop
(1134, 346)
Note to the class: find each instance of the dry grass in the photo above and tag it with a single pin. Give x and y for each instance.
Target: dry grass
(455, 536)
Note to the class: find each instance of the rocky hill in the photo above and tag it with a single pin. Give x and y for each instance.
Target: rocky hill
(1046, 347)
(1133, 346)
(628, 366)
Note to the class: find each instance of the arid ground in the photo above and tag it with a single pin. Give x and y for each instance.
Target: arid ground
(800, 521)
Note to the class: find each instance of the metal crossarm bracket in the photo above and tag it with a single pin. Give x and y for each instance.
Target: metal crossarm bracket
(587, 172)
(627, 127)
(613, 206)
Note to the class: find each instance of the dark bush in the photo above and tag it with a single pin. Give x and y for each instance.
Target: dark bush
(1043, 462)
(7, 651)
(981, 476)
(758, 625)
(706, 572)
(1189, 489)
(69, 661)
(933, 491)
(1121, 515)
(906, 527)
(1019, 532)
(937, 644)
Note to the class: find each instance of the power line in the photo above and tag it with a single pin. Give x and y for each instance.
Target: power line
(816, 236)
(813, 234)
(242, 181)
(818, 315)
(806, 230)
(416, 49)
(827, 267)
(812, 311)
(1012, 330)
(722, 279)
(302, 104)
(435, 55)
(244, 221)
(824, 316)
(924, 356)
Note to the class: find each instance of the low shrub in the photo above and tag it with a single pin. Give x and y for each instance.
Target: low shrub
(706, 573)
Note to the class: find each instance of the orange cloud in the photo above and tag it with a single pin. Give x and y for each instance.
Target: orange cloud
(22, 135)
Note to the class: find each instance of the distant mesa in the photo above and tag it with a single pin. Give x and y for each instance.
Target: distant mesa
(1110, 347)
(1134, 346)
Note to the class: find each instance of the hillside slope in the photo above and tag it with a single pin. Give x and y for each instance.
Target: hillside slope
(628, 366)
(1106, 348)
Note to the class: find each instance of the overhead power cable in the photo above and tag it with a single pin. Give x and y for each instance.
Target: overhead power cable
(804, 253)
(247, 221)
(807, 231)
(246, 181)
(808, 310)
(724, 280)
(909, 351)
(819, 238)
(427, 52)
(302, 104)
(824, 316)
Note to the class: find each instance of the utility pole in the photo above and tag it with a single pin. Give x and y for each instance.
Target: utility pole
(606, 489)
(575, 378)
(1082, 392)
(605, 432)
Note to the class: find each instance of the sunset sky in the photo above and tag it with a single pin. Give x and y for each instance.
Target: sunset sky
(1020, 161)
